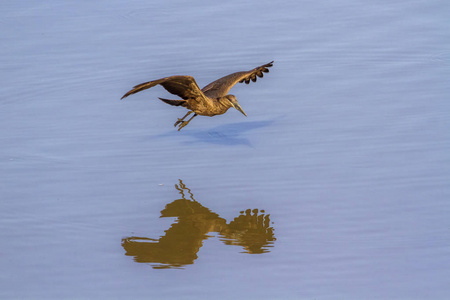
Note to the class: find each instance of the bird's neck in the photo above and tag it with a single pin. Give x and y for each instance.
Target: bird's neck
(224, 102)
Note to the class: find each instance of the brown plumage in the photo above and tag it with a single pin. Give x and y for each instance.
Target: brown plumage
(211, 100)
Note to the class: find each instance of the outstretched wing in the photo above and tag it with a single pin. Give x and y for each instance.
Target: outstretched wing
(222, 86)
(174, 102)
(182, 86)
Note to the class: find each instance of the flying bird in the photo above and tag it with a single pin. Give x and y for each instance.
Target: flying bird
(209, 101)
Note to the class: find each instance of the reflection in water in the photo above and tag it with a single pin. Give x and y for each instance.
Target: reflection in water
(250, 230)
(181, 242)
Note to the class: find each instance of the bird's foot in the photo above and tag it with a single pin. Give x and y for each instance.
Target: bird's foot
(183, 123)
(178, 122)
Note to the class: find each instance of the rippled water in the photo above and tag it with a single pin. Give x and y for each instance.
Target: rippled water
(335, 186)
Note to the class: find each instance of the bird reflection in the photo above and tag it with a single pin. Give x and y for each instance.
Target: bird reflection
(182, 241)
(250, 230)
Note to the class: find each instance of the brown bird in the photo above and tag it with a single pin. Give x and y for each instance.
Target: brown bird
(211, 100)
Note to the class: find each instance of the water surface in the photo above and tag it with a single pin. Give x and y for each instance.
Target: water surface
(335, 186)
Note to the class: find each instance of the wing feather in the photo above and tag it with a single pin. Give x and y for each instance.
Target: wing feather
(174, 102)
(222, 86)
(182, 86)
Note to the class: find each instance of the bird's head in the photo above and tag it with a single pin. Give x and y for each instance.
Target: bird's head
(235, 103)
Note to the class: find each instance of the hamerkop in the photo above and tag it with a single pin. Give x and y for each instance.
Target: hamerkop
(211, 100)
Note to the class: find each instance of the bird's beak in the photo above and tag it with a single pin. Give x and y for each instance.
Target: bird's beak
(239, 108)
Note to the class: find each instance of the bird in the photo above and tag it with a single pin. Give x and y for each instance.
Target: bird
(209, 101)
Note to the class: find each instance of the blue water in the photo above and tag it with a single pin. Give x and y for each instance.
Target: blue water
(335, 186)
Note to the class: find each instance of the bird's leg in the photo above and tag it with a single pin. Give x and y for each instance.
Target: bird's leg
(184, 123)
(182, 119)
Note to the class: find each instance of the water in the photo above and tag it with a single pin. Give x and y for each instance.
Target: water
(334, 187)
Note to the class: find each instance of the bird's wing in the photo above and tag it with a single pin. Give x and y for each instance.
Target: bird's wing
(174, 102)
(182, 86)
(222, 86)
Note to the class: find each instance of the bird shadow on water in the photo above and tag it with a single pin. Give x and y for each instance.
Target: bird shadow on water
(228, 134)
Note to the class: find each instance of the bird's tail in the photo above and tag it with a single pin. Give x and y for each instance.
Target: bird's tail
(174, 102)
